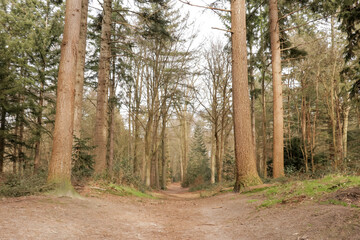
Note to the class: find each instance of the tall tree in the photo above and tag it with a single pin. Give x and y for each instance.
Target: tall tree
(60, 163)
(246, 173)
(101, 129)
(278, 137)
(80, 66)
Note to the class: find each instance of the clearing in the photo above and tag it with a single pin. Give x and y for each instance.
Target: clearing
(176, 214)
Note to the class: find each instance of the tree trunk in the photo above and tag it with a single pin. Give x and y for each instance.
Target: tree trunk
(163, 147)
(263, 166)
(112, 121)
(213, 153)
(80, 66)
(303, 129)
(37, 157)
(102, 91)
(345, 127)
(2, 138)
(60, 163)
(246, 173)
(278, 148)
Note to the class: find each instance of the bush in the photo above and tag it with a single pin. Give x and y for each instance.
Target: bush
(14, 185)
(82, 161)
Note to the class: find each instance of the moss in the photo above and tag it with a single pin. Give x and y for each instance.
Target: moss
(308, 189)
(126, 191)
(244, 182)
(63, 188)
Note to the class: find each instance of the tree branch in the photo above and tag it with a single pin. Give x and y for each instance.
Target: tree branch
(206, 7)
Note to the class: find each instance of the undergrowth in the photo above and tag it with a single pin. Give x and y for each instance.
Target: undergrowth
(15, 185)
(297, 191)
(123, 191)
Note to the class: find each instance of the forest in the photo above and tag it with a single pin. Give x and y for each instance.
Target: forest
(150, 107)
(123, 94)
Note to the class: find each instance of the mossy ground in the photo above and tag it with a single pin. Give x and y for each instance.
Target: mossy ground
(297, 191)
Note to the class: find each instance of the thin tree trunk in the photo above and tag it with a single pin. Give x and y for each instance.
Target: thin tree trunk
(102, 91)
(345, 128)
(163, 147)
(264, 127)
(60, 163)
(37, 157)
(246, 173)
(16, 144)
(112, 120)
(80, 66)
(2, 138)
(213, 153)
(278, 142)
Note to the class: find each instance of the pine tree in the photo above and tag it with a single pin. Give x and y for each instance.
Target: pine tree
(198, 169)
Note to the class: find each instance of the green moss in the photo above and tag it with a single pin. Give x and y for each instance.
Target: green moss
(311, 189)
(245, 182)
(126, 191)
(63, 189)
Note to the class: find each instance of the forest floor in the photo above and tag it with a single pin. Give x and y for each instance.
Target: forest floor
(174, 214)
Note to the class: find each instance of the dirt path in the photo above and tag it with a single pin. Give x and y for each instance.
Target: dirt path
(177, 215)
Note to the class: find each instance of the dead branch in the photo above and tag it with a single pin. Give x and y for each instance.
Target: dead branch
(225, 30)
(206, 7)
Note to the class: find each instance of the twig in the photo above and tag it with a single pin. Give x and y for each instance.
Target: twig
(225, 30)
(207, 7)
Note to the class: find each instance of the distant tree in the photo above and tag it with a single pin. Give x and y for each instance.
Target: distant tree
(198, 168)
(101, 125)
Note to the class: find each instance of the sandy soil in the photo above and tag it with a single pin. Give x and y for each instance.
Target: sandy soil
(177, 215)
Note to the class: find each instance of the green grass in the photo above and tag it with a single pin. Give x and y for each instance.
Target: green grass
(310, 189)
(126, 191)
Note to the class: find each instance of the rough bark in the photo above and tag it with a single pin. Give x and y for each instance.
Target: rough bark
(101, 124)
(60, 163)
(80, 66)
(246, 173)
(278, 137)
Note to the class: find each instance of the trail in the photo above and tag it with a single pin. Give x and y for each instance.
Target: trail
(177, 214)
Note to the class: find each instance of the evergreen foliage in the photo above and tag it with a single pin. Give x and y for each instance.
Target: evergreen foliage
(198, 170)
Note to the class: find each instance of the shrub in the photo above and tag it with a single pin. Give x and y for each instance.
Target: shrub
(14, 185)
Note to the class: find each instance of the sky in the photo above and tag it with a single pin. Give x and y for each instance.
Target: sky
(204, 20)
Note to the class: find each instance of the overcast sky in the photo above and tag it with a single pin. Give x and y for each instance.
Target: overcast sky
(205, 20)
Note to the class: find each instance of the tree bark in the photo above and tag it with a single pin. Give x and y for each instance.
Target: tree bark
(101, 124)
(246, 173)
(263, 166)
(60, 163)
(278, 138)
(2, 138)
(37, 157)
(345, 127)
(80, 67)
(112, 120)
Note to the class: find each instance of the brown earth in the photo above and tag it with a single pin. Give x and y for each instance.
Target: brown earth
(177, 215)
